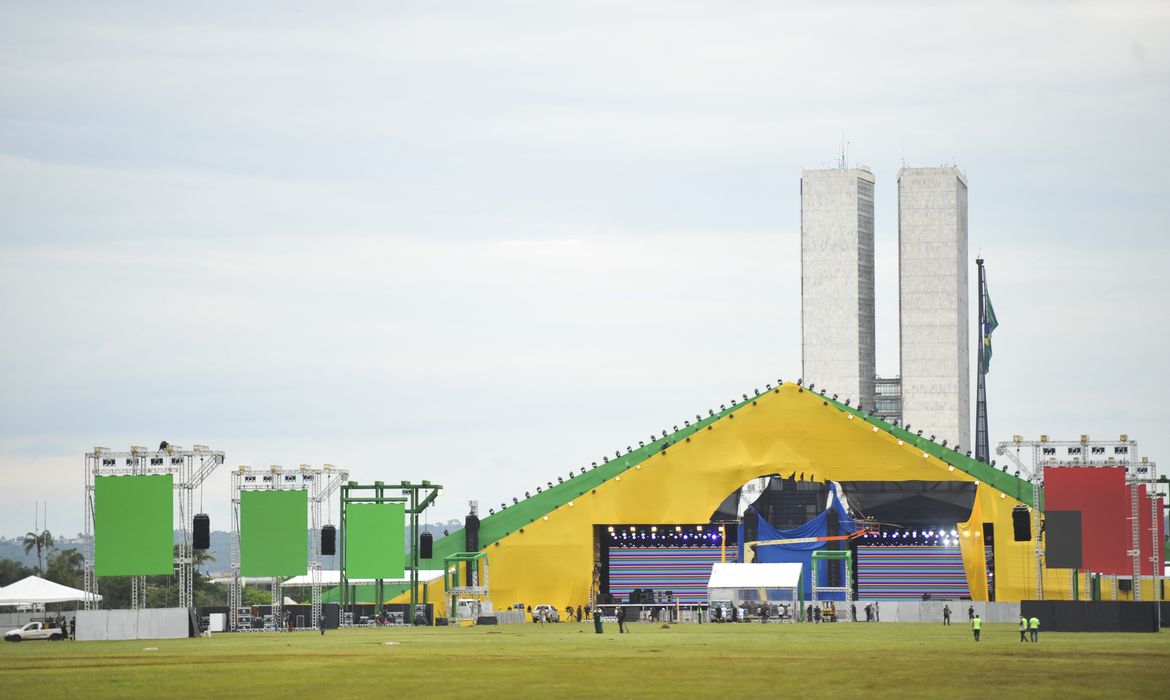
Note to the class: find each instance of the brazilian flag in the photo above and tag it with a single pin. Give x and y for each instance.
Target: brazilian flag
(989, 325)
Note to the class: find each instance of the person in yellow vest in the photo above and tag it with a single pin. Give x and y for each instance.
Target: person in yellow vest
(1034, 625)
(1023, 628)
(976, 624)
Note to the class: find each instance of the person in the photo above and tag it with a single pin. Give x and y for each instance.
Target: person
(809, 615)
(817, 614)
(853, 612)
(621, 620)
(970, 613)
(946, 614)
(530, 613)
(764, 614)
(869, 612)
(877, 612)
(976, 624)
(580, 612)
(1023, 628)
(1034, 626)
(321, 623)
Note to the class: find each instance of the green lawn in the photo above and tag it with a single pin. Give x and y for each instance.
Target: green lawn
(567, 660)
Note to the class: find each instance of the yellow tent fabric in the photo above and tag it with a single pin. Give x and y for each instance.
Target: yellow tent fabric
(971, 545)
(550, 560)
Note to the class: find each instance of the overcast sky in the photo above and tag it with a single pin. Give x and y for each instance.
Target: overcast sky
(486, 243)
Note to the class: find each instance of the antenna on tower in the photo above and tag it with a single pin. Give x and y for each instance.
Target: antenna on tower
(841, 162)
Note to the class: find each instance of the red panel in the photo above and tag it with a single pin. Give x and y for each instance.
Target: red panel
(1102, 497)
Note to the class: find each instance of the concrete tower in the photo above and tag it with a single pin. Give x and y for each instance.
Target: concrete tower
(836, 282)
(932, 289)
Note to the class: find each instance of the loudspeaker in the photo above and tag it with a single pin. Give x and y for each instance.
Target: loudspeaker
(328, 540)
(201, 532)
(425, 545)
(1125, 585)
(1021, 524)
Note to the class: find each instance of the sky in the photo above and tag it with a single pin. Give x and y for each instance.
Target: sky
(487, 243)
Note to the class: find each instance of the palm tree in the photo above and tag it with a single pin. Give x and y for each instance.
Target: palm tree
(42, 542)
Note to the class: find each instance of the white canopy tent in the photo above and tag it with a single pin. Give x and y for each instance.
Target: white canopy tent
(755, 583)
(333, 578)
(36, 590)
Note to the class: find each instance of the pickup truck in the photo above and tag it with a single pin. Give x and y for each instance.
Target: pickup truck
(34, 630)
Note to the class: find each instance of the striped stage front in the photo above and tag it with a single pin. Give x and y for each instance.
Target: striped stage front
(682, 570)
(899, 573)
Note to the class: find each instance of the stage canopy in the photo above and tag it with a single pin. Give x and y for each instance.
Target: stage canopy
(35, 589)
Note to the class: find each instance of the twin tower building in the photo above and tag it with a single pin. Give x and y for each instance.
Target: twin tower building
(932, 392)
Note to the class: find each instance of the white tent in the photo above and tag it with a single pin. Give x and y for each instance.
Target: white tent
(333, 578)
(755, 583)
(35, 589)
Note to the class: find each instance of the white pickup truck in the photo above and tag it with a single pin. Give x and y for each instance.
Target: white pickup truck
(34, 630)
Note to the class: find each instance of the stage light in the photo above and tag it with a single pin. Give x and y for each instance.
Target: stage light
(686, 423)
(641, 444)
(491, 511)
(678, 528)
(633, 529)
(1005, 468)
(919, 433)
(944, 443)
(611, 528)
(834, 397)
(527, 495)
(908, 426)
(629, 449)
(515, 500)
(1017, 473)
(538, 489)
(710, 412)
(675, 429)
(954, 533)
(653, 528)
(900, 443)
(503, 506)
(846, 402)
(722, 407)
(745, 397)
(699, 528)
(932, 437)
(968, 453)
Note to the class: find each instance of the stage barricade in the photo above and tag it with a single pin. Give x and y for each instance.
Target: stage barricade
(932, 611)
(153, 623)
(1096, 616)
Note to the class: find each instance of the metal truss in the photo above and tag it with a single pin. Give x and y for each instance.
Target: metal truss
(1123, 452)
(190, 468)
(320, 484)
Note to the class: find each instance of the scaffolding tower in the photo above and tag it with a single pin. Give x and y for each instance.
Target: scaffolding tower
(189, 469)
(320, 484)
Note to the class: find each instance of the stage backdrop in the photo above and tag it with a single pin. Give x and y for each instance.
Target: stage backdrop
(133, 522)
(375, 540)
(274, 532)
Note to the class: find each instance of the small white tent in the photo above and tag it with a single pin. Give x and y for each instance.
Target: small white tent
(755, 583)
(35, 589)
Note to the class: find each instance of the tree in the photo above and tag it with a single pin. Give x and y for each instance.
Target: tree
(42, 542)
(65, 568)
(12, 571)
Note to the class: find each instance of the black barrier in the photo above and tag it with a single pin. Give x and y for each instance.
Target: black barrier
(1097, 616)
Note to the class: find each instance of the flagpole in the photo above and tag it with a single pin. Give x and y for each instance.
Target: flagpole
(982, 450)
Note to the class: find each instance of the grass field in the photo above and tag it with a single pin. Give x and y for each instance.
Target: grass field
(569, 660)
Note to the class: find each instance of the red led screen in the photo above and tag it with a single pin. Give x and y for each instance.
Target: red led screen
(1102, 497)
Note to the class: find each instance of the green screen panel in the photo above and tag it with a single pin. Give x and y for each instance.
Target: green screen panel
(133, 525)
(274, 533)
(375, 537)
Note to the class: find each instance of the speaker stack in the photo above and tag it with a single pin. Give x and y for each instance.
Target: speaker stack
(1021, 524)
(328, 540)
(201, 532)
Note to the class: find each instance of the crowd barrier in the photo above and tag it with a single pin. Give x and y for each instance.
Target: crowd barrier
(149, 623)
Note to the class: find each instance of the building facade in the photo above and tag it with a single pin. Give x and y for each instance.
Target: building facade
(932, 288)
(837, 282)
(887, 402)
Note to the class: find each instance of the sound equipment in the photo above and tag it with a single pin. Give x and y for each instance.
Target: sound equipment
(425, 545)
(1021, 524)
(1124, 585)
(328, 540)
(201, 532)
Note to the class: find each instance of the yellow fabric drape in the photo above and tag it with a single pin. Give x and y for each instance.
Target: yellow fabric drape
(971, 545)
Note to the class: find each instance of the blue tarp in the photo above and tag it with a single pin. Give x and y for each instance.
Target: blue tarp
(802, 553)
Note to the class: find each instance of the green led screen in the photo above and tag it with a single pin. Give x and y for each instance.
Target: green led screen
(375, 540)
(133, 525)
(274, 533)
